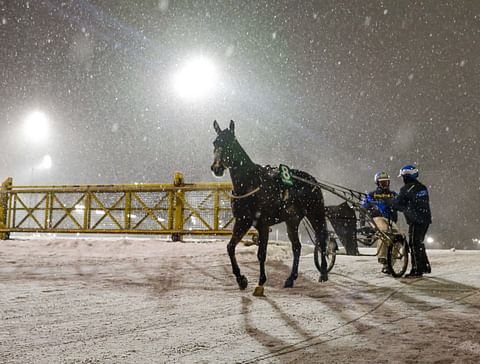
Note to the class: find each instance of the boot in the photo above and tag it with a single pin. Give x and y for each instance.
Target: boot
(428, 268)
(414, 273)
(414, 270)
(418, 263)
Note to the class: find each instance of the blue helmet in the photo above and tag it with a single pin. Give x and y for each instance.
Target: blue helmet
(410, 170)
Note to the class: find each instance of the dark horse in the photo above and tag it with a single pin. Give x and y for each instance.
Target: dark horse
(260, 200)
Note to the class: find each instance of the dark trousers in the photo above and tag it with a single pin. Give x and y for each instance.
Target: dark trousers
(416, 235)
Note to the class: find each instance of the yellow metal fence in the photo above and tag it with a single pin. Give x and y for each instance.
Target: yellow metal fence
(174, 209)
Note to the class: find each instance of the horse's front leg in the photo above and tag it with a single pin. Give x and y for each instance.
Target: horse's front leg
(292, 231)
(240, 228)
(262, 257)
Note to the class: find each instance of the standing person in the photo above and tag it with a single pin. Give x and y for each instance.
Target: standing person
(413, 201)
(378, 204)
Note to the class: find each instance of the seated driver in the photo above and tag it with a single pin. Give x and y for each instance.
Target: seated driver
(384, 216)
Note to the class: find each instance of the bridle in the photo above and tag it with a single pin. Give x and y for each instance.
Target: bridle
(218, 161)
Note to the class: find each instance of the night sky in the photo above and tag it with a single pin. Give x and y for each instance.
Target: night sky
(341, 89)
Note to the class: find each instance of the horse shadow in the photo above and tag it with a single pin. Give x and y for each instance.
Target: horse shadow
(371, 312)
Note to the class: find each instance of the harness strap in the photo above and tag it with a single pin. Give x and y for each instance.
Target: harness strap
(343, 196)
(245, 195)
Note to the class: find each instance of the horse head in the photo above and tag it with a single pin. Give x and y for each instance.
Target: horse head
(223, 148)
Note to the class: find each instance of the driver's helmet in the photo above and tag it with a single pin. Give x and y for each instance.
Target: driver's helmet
(409, 170)
(382, 179)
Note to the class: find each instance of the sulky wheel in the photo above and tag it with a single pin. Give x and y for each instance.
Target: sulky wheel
(331, 255)
(397, 257)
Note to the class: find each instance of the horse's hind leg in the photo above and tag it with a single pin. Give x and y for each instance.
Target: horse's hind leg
(240, 228)
(317, 220)
(292, 231)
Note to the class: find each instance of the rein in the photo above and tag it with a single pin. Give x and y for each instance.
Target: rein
(245, 195)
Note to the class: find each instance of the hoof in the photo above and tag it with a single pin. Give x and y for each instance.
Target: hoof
(288, 283)
(242, 282)
(323, 278)
(258, 292)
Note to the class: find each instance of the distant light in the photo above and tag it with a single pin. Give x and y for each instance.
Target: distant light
(196, 80)
(46, 163)
(430, 240)
(36, 126)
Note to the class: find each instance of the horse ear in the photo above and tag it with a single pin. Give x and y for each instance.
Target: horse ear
(216, 127)
(232, 126)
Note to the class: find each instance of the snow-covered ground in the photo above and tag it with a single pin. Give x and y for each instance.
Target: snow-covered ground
(151, 301)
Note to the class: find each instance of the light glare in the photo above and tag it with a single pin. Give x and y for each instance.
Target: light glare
(196, 79)
(46, 163)
(36, 126)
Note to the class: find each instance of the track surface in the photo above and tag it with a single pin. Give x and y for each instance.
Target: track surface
(150, 301)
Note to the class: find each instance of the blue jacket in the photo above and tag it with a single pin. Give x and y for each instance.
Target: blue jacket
(414, 202)
(379, 202)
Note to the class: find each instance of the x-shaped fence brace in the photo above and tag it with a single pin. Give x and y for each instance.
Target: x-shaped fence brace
(63, 204)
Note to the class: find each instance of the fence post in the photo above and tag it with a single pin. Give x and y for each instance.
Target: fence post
(86, 210)
(6, 186)
(179, 195)
(128, 211)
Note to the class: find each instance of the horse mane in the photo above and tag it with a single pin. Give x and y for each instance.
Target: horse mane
(303, 175)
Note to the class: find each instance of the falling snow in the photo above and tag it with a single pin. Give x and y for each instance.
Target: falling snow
(339, 89)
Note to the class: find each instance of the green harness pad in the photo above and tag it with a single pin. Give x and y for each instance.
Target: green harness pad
(285, 175)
